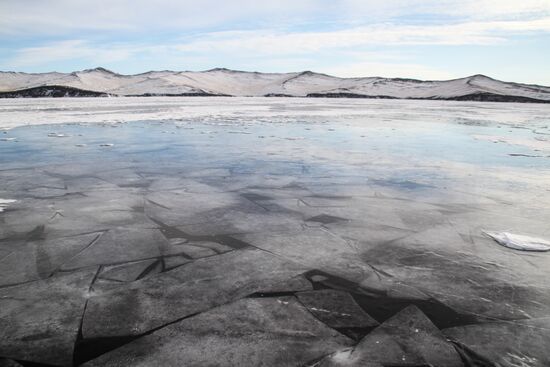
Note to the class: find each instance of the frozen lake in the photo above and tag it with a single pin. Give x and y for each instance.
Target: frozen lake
(282, 231)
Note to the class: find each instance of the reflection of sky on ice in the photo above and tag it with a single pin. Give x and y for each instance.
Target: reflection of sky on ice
(432, 144)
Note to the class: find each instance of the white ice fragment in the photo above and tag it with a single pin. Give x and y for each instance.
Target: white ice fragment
(520, 361)
(342, 356)
(57, 135)
(7, 139)
(106, 145)
(519, 242)
(319, 278)
(4, 203)
(177, 241)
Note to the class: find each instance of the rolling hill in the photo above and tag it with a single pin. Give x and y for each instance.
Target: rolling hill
(100, 82)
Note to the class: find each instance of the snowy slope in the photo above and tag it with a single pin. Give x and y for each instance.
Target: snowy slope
(239, 83)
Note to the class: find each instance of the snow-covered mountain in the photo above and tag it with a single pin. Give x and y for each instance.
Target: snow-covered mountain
(102, 82)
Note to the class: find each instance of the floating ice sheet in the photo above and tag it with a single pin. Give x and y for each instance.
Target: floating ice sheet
(519, 242)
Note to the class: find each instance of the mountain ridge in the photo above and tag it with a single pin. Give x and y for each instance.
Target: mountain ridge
(226, 82)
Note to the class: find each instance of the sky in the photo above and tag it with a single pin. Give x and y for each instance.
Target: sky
(505, 39)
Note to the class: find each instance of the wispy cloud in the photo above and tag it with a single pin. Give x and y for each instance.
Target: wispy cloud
(271, 42)
(32, 17)
(277, 42)
(72, 50)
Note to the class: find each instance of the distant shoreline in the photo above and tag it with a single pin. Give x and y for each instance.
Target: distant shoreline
(56, 91)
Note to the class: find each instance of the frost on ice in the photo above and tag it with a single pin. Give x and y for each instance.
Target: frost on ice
(519, 242)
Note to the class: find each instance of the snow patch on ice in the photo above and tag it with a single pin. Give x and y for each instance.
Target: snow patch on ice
(4, 203)
(342, 357)
(252, 111)
(519, 242)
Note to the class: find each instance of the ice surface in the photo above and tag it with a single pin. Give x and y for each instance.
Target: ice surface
(208, 206)
(40, 321)
(183, 291)
(127, 272)
(407, 339)
(249, 332)
(508, 344)
(119, 245)
(337, 309)
(236, 111)
(40, 258)
(9, 363)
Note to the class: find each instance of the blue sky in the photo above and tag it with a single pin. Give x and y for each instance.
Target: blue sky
(508, 40)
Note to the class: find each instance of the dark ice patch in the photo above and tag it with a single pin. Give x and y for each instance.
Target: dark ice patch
(325, 219)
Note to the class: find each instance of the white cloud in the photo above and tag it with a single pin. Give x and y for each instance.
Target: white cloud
(141, 16)
(490, 9)
(39, 17)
